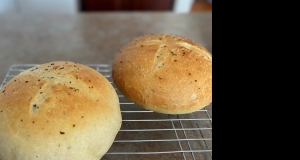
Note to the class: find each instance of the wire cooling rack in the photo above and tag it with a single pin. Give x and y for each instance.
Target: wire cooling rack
(149, 135)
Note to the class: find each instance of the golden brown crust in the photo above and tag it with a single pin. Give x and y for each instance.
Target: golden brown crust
(58, 110)
(164, 73)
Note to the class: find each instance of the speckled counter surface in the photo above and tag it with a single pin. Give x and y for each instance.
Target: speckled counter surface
(94, 38)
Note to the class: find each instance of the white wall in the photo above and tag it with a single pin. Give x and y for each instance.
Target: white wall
(38, 6)
(7, 6)
(182, 6)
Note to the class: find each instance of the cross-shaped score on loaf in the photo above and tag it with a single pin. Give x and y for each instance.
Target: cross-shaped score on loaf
(164, 51)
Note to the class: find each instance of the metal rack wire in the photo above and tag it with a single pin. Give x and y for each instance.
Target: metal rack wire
(149, 135)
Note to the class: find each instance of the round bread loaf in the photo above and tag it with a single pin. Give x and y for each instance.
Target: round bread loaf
(58, 110)
(164, 73)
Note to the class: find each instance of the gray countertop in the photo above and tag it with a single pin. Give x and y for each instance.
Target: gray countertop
(91, 37)
(94, 38)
